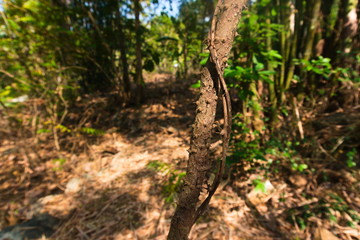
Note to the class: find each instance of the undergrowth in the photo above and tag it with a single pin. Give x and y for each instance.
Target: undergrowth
(172, 179)
(278, 158)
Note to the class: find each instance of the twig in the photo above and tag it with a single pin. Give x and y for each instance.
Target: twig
(297, 118)
(338, 143)
(325, 152)
(82, 232)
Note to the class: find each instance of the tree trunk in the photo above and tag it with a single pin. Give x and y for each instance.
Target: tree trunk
(124, 60)
(326, 8)
(312, 24)
(226, 17)
(284, 37)
(185, 51)
(349, 30)
(269, 67)
(310, 27)
(293, 39)
(139, 80)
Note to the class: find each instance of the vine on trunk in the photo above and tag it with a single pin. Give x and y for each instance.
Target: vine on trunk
(213, 87)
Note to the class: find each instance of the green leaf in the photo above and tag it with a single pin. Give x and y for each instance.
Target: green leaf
(332, 218)
(259, 185)
(43, 131)
(274, 54)
(92, 131)
(350, 163)
(273, 12)
(302, 167)
(196, 85)
(60, 161)
(267, 72)
(253, 19)
(32, 5)
(13, 25)
(63, 128)
(27, 19)
(302, 223)
(204, 60)
(351, 224)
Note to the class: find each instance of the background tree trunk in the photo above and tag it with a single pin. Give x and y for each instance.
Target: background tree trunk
(311, 25)
(199, 164)
(124, 61)
(139, 80)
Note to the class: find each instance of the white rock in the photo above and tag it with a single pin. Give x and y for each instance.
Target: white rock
(74, 185)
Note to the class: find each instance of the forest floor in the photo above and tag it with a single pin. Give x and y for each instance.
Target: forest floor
(121, 184)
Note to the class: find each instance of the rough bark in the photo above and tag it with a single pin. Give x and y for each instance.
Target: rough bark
(227, 15)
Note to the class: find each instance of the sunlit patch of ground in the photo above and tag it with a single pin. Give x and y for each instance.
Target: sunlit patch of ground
(112, 186)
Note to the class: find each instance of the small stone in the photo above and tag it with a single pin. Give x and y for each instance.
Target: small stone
(74, 185)
(298, 180)
(38, 227)
(171, 130)
(258, 198)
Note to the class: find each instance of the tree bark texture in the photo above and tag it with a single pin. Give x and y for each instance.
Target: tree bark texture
(224, 26)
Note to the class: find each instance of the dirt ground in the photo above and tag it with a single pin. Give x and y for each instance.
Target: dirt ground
(111, 186)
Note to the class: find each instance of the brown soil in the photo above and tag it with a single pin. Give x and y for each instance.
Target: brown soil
(119, 194)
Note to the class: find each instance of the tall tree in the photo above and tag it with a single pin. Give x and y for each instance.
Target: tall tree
(213, 87)
(311, 25)
(139, 80)
(123, 51)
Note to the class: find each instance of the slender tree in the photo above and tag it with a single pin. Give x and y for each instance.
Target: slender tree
(213, 87)
(313, 9)
(123, 51)
(139, 80)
